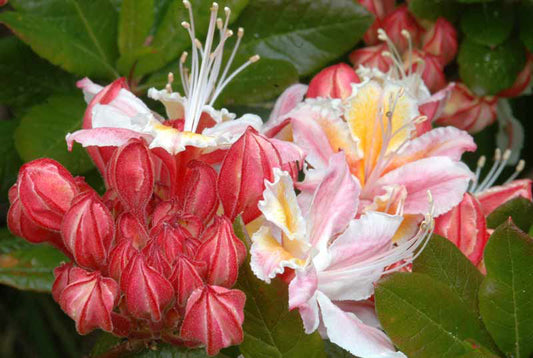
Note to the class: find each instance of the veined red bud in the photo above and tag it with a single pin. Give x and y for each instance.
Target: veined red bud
(101, 155)
(131, 174)
(441, 41)
(46, 190)
(130, 228)
(170, 239)
(186, 277)
(433, 75)
(198, 193)
(62, 279)
(371, 57)
(82, 185)
(88, 298)
(466, 227)
(119, 258)
(333, 82)
(157, 259)
(214, 316)
(21, 225)
(147, 293)
(13, 193)
(522, 80)
(223, 253)
(467, 111)
(249, 161)
(397, 21)
(88, 231)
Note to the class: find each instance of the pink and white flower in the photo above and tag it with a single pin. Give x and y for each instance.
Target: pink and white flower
(334, 256)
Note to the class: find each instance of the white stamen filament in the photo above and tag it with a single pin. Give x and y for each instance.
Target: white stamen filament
(500, 162)
(202, 85)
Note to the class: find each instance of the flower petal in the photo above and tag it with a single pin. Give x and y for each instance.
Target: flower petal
(349, 332)
(492, 198)
(102, 137)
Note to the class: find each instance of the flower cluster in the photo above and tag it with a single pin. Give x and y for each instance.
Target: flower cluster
(428, 49)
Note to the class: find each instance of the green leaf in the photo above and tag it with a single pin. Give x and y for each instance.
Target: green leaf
(78, 35)
(473, 1)
(519, 209)
(443, 261)
(488, 24)
(9, 159)
(26, 78)
(134, 25)
(334, 351)
(26, 266)
(42, 131)
(425, 318)
(170, 38)
(307, 33)
(433, 9)
(525, 13)
(506, 294)
(490, 70)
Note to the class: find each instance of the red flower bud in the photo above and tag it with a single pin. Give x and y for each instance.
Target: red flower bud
(131, 175)
(119, 258)
(130, 228)
(397, 21)
(380, 9)
(467, 111)
(62, 279)
(214, 316)
(223, 253)
(186, 277)
(198, 192)
(88, 231)
(170, 239)
(333, 82)
(147, 293)
(88, 298)
(46, 190)
(441, 41)
(371, 57)
(21, 225)
(466, 227)
(249, 161)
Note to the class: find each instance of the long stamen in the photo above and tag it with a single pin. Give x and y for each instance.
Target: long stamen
(393, 51)
(184, 81)
(503, 163)
(480, 164)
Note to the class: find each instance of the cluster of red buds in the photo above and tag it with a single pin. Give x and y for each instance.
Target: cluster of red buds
(434, 46)
(156, 256)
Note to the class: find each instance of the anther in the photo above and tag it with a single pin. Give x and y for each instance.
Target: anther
(406, 34)
(254, 58)
(187, 4)
(227, 11)
(240, 32)
(198, 44)
(481, 161)
(219, 23)
(186, 25)
(168, 87)
(214, 7)
(521, 165)
(497, 154)
(183, 57)
(506, 155)
(170, 77)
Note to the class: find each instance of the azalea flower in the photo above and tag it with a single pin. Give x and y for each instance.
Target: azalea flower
(336, 259)
(118, 115)
(465, 225)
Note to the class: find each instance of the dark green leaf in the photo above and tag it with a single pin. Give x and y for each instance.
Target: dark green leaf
(78, 35)
(490, 70)
(525, 14)
(134, 24)
(307, 33)
(270, 329)
(26, 78)
(9, 158)
(334, 351)
(170, 38)
(519, 209)
(42, 131)
(27, 266)
(433, 9)
(488, 24)
(506, 294)
(425, 318)
(473, 1)
(443, 261)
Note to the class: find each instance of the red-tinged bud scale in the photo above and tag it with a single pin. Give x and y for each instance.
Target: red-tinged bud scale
(249, 161)
(371, 57)
(466, 227)
(46, 190)
(441, 41)
(223, 253)
(88, 298)
(214, 316)
(88, 231)
(186, 278)
(333, 82)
